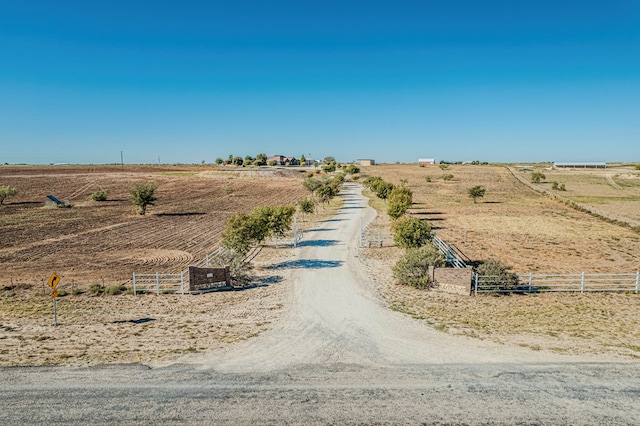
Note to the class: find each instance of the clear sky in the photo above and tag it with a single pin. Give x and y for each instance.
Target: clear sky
(189, 81)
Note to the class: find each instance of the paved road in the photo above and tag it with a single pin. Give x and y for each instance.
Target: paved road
(337, 357)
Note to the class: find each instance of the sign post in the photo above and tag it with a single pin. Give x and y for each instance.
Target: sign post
(53, 282)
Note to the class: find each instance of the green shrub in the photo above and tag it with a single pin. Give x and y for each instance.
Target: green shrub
(116, 289)
(413, 267)
(411, 232)
(537, 177)
(143, 195)
(96, 289)
(476, 192)
(427, 178)
(100, 195)
(447, 177)
(497, 276)
(7, 191)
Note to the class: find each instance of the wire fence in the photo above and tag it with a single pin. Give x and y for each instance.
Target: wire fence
(538, 283)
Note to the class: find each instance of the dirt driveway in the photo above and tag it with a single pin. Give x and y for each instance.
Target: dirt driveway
(337, 356)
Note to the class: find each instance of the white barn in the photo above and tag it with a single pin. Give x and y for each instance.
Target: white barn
(426, 161)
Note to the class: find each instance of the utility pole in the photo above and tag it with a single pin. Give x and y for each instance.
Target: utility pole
(121, 159)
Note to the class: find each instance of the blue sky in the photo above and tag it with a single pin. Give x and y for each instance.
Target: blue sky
(190, 81)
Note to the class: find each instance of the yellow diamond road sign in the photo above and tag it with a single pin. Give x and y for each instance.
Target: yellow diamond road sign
(53, 281)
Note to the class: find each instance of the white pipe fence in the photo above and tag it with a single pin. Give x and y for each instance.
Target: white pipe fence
(158, 283)
(533, 283)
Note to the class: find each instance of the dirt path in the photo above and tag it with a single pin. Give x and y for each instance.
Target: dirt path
(337, 357)
(335, 317)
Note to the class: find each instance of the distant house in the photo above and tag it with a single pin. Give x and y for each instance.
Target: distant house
(367, 162)
(281, 160)
(426, 161)
(581, 165)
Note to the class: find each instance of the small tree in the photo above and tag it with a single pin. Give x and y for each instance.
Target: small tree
(413, 267)
(219, 161)
(326, 193)
(411, 232)
(329, 168)
(143, 195)
(240, 232)
(7, 191)
(312, 184)
(537, 177)
(352, 169)
(261, 159)
(306, 205)
(100, 195)
(476, 192)
(238, 161)
(401, 194)
(396, 209)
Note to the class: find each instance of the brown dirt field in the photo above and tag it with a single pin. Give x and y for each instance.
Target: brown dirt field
(533, 233)
(105, 242)
(529, 231)
(92, 241)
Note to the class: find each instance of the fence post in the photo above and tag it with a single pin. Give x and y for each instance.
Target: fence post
(134, 284)
(182, 281)
(295, 232)
(582, 284)
(637, 281)
(157, 283)
(530, 281)
(475, 287)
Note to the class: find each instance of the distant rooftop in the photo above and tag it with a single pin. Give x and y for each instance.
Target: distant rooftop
(582, 165)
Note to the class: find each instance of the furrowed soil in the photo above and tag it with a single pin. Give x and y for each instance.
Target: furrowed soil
(100, 244)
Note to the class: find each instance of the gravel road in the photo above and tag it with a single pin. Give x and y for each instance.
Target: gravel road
(337, 357)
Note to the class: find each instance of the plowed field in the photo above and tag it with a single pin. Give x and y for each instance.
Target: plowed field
(105, 242)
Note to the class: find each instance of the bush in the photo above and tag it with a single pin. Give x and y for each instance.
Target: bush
(96, 289)
(637, 166)
(100, 195)
(400, 199)
(307, 205)
(537, 177)
(427, 178)
(116, 289)
(411, 232)
(413, 267)
(396, 210)
(476, 192)
(447, 177)
(497, 276)
(7, 191)
(143, 195)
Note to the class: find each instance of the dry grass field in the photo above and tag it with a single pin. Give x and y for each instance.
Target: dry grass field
(533, 233)
(529, 231)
